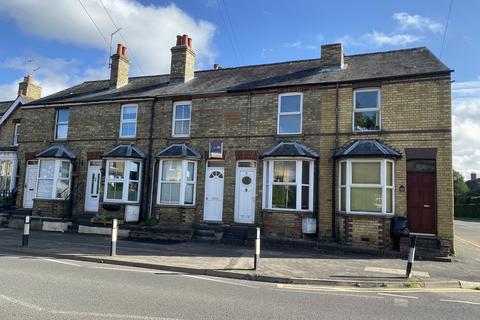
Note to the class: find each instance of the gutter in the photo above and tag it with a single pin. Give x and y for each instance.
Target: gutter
(149, 171)
(334, 165)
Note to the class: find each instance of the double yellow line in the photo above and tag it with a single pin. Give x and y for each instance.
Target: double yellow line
(471, 243)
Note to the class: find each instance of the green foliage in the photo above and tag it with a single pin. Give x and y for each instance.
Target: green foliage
(148, 223)
(459, 186)
(471, 210)
(411, 284)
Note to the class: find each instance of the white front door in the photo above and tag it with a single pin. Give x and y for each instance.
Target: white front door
(213, 207)
(92, 186)
(245, 189)
(30, 184)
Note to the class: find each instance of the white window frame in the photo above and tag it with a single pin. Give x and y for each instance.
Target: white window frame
(55, 178)
(279, 114)
(63, 123)
(360, 110)
(126, 180)
(183, 182)
(268, 183)
(383, 185)
(16, 134)
(13, 160)
(134, 121)
(174, 120)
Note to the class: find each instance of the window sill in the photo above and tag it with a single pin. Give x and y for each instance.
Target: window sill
(173, 205)
(121, 202)
(290, 135)
(294, 211)
(50, 199)
(365, 214)
(367, 132)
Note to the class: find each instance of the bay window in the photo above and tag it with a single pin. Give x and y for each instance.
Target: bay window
(288, 184)
(54, 179)
(177, 182)
(122, 181)
(366, 110)
(6, 170)
(366, 186)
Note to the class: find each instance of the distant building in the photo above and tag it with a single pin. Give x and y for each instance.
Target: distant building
(474, 183)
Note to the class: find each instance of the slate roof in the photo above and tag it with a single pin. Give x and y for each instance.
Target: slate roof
(125, 151)
(378, 65)
(4, 106)
(57, 151)
(289, 149)
(366, 148)
(179, 150)
(473, 185)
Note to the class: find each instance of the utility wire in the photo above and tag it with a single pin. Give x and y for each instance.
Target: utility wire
(446, 27)
(93, 21)
(233, 32)
(227, 29)
(121, 36)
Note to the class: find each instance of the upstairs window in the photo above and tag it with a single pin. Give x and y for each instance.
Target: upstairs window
(128, 121)
(181, 119)
(122, 181)
(290, 113)
(54, 179)
(16, 134)
(366, 110)
(61, 124)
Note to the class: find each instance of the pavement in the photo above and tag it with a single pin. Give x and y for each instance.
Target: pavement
(40, 288)
(284, 266)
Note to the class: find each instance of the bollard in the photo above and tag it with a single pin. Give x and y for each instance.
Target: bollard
(256, 261)
(26, 231)
(113, 246)
(411, 256)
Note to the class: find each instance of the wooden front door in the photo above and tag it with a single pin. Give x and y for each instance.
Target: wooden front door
(421, 202)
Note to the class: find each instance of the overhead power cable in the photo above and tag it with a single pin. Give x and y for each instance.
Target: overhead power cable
(93, 21)
(446, 27)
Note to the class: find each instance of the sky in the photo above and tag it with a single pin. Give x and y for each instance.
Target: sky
(59, 43)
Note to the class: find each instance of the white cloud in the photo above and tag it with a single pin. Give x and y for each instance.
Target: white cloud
(466, 127)
(379, 39)
(406, 21)
(149, 30)
(298, 45)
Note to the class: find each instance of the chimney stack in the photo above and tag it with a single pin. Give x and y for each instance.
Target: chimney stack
(332, 55)
(473, 175)
(183, 60)
(119, 67)
(28, 89)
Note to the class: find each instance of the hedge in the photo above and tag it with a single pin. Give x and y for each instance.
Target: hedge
(467, 210)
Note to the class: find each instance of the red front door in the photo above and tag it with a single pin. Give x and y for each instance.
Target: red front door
(421, 202)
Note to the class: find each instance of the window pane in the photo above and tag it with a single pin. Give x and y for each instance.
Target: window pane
(182, 111)
(189, 194)
(129, 113)
(62, 116)
(284, 197)
(290, 123)
(343, 173)
(62, 131)
(305, 197)
(115, 190)
(133, 191)
(134, 170)
(284, 171)
(366, 121)
(190, 171)
(6, 168)
(290, 103)
(64, 169)
(305, 172)
(116, 169)
(46, 169)
(186, 127)
(366, 199)
(170, 193)
(63, 189)
(128, 129)
(389, 200)
(389, 174)
(5, 183)
(172, 170)
(366, 99)
(366, 172)
(343, 199)
(45, 188)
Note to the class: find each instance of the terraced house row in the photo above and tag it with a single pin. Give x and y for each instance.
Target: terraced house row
(330, 148)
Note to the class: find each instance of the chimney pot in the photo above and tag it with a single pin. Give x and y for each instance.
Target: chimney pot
(189, 42)
(216, 66)
(124, 51)
(179, 40)
(119, 48)
(184, 39)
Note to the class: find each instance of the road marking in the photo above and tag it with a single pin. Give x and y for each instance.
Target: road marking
(330, 293)
(397, 271)
(397, 296)
(129, 270)
(473, 244)
(221, 281)
(22, 303)
(375, 290)
(96, 315)
(61, 262)
(461, 301)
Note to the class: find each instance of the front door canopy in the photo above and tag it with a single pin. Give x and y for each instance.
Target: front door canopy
(365, 149)
(57, 151)
(290, 149)
(125, 151)
(179, 150)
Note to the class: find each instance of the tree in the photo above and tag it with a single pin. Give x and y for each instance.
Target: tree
(459, 186)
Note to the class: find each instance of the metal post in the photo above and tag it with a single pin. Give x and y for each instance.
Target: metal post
(256, 262)
(411, 256)
(26, 231)
(113, 246)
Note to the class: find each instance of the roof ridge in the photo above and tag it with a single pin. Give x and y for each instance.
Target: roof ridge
(388, 51)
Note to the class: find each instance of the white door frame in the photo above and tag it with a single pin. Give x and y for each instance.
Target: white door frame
(30, 164)
(238, 191)
(208, 170)
(88, 184)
